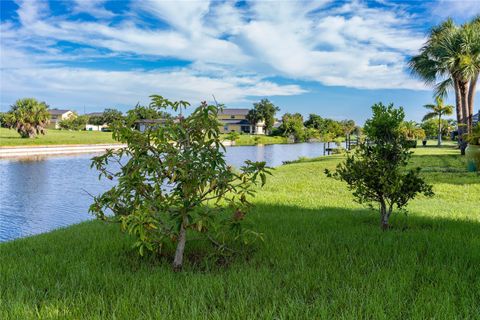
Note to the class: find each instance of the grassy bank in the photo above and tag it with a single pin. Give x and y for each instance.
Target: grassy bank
(324, 257)
(12, 138)
(250, 140)
(54, 137)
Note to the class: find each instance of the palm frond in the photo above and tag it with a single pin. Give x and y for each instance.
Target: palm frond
(430, 106)
(442, 88)
(429, 116)
(448, 110)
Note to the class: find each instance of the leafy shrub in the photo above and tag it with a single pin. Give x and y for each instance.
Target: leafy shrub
(376, 172)
(173, 180)
(233, 136)
(474, 137)
(74, 123)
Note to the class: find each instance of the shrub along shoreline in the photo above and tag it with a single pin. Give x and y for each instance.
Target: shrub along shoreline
(323, 256)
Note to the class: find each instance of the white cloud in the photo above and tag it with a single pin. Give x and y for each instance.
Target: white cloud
(232, 49)
(93, 7)
(456, 8)
(79, 87)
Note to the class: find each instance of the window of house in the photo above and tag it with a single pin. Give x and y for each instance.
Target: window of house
(245, 129)
(232, 117)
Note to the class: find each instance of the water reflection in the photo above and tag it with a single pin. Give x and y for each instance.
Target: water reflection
(41, 193)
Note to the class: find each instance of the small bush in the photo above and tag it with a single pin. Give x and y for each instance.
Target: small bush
(173, 180)
(376, 172)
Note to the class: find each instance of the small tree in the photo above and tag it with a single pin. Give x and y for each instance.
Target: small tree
(111, 115)
(96, 120)
(233, 136)
(29, 117)
(173, 179)
(292, 125)
(376, 172)
(253, 116)
(348, 126)
(266, 110)
(437, 111)
(141, 113)
(75, 122)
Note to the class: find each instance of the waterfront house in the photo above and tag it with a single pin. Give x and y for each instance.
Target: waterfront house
(95, 127)
(235, 120)
(56, 115)
(143, 124)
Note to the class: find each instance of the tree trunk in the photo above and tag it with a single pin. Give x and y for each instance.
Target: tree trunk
(471, 99)
(463, 86)
(439, 130)
(384, 215)
(182, 237)
(464, 90)
(458, 107)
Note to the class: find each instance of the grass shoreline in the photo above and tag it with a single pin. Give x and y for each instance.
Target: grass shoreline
(10, 138)
(324, 256)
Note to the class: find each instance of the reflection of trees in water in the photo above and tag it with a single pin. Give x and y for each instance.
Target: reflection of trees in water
(40, 193)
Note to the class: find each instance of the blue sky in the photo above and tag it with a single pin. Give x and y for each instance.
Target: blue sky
(333, 58)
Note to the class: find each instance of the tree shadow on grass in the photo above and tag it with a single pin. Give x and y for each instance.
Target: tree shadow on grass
(105, 244)
(309, 257)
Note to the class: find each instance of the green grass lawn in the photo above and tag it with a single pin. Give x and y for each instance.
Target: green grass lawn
(324, 256)
(12, 138)
(249, 140)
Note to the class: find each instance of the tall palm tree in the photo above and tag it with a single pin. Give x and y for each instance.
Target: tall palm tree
(29, 117)
(451, 59)
(472, 33)
(437, 111)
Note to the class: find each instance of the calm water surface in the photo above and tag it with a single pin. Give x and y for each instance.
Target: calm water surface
(43, 193)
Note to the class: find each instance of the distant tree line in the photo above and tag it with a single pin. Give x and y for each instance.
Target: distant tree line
(315, 127)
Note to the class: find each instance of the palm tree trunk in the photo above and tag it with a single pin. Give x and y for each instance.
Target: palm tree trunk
(464, 90)
(458, 107)
(463, 86)
(439, 130)
(471, 99)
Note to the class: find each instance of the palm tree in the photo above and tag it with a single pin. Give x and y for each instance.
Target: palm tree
(412, 131)
(437, 111)
(451, 59)
(29, 117)
(472, 34)
(253, 117)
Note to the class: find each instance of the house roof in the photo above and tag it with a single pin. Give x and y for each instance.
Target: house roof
(148, 121)
(235, 121)
(234, 112)
(154, 121)
(58, 111)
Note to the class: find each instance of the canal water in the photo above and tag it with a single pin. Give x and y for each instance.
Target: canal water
(43, 193)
